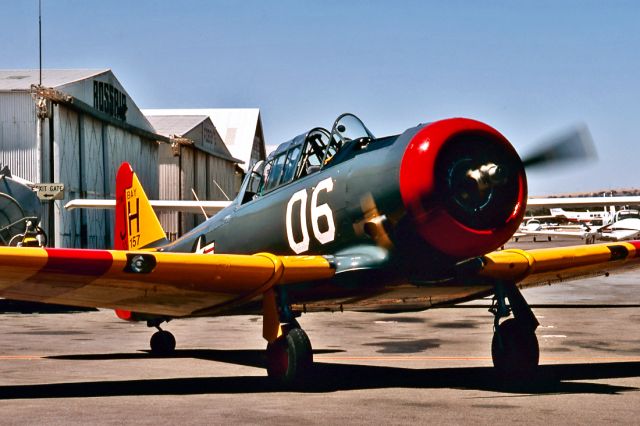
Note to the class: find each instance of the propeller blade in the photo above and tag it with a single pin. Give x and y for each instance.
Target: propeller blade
(572, 145)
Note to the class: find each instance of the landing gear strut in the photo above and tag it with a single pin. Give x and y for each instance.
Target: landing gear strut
(289, 351)
(162, 342)
(514, 349)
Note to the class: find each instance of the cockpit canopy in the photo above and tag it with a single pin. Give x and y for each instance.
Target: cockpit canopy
(626, 214)
(306, 154)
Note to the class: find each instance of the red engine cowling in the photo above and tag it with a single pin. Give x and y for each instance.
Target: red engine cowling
(464, 186)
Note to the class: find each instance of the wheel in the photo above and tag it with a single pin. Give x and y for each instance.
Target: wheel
(162, 343)
(515, 350)
(290, 357)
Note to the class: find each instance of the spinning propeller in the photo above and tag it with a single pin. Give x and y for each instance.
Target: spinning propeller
(572, 145)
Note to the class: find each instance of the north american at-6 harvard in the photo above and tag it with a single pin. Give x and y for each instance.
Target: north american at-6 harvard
(332, 220)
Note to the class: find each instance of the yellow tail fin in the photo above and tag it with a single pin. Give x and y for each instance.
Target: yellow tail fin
(137, 225)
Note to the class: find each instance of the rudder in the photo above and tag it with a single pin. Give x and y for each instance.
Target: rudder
(137, 225)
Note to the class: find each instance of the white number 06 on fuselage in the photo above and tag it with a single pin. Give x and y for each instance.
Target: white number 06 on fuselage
(299, 200)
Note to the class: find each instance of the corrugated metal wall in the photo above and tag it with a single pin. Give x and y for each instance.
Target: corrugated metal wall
(87, 155)
(141, 153)
(200, 180)
(169, 169)
(95, 183)
(67, 170)
(223, 172)
(187, 182)
(18, 148)
(199, 169)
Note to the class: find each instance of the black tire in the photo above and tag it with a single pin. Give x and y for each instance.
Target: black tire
(290, 357)
(514, 350)
(162, 343)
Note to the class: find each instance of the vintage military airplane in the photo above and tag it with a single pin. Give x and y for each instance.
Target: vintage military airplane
(332, 220)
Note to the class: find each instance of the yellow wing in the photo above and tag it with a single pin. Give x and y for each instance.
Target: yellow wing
(185, 284)
(545, 266)
(168, 284)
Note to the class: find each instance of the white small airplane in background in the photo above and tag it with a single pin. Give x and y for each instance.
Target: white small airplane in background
(584, 202)
(625, 226)
(592, 218)
(613, 226)
(535, 228)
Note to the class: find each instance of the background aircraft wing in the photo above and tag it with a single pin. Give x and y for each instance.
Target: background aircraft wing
(618, 234)
(166, 284)
(186, 206)
(585, 202)
(570, 233)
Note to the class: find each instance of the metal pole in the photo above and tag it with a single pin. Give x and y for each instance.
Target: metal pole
(40, 36)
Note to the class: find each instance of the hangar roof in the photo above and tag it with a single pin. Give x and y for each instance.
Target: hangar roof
(237, 127)
(12, 80)
(170, 125)
(78, 83)
(181, 125)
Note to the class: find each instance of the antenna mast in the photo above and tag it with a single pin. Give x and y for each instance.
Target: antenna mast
(40, 36)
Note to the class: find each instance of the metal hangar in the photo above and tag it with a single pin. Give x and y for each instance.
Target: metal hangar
(76, 127)
(196, 164)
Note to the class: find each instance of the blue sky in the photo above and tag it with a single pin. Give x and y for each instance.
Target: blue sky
(528, 68)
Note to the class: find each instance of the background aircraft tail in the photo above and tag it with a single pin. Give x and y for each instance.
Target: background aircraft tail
(137, 225)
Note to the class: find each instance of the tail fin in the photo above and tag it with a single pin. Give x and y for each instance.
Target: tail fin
(137, 225)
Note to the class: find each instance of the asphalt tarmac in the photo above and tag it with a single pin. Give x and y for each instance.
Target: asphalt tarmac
(427, 367)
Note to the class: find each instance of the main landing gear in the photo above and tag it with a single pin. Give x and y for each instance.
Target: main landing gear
(162, 342)
(514, 349)
(289, 351)
(290, 356)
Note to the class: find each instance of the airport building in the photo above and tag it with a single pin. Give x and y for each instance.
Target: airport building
(78, 126)
(76, 129)
(197, 164)
(239, 128)
(214, 138)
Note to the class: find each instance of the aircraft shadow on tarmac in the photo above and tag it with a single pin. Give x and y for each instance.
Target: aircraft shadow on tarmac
(331, 377)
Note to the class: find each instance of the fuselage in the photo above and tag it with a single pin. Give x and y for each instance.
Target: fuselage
(360, 206)
(368, 181)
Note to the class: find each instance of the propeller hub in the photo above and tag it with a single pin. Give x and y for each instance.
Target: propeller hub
(486, 176)
(464, 186)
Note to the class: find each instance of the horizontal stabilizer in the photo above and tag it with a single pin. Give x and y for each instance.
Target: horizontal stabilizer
(185, 206)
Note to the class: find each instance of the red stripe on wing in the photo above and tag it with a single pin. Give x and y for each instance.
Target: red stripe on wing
(78, 262)
(64, 271)
(636, 244)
